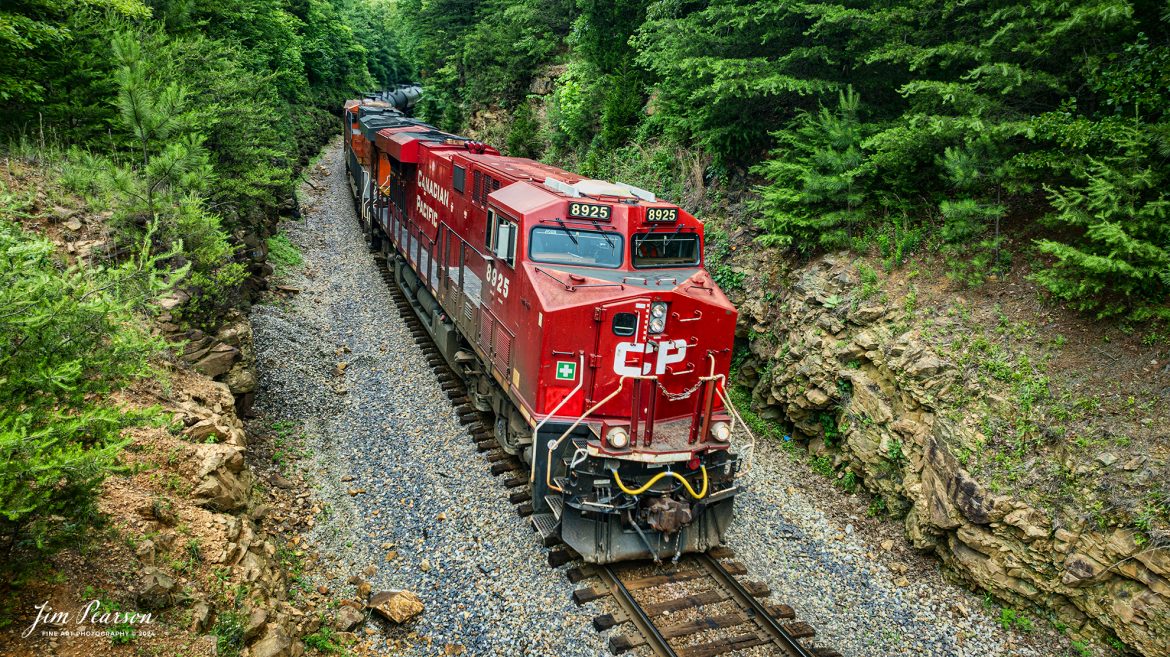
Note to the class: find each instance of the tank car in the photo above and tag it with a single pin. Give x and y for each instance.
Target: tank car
(579, 314)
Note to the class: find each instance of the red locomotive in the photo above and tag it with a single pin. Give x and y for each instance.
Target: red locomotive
(580, 315)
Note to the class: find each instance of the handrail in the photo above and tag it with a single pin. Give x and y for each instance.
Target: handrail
(565, 400)
(553, 444)
(542, 271)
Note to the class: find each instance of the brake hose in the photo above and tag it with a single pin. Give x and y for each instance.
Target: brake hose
(653, 480)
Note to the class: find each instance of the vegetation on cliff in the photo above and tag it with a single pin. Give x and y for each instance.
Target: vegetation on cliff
(172, 133)
(866, 125)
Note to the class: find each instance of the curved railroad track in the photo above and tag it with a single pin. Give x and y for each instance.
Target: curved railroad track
(697, 607)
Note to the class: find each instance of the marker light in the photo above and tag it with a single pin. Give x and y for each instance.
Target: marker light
(617, 437)
(721, 431)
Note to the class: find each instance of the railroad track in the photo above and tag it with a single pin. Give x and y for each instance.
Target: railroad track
(697, 607)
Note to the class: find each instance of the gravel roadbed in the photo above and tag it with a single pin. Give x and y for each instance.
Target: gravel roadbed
(408, 493)
(383, 427)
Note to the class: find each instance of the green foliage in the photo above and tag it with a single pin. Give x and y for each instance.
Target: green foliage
(1119, 261)
(235, 93)
(815, 189)
(229, 632)
(68, 334)
(728, 72)
(1012, 619)
(165, 187)
(524, 134)
(474, 55)
(887, 127)
(282, 253)
(29, 27)
(325, 641)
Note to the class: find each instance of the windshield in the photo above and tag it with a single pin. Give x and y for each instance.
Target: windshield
(572, 246)
(664, 250)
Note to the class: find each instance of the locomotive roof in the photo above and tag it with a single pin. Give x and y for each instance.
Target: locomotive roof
(372, 123)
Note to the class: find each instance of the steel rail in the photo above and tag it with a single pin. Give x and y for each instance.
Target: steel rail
(749, 603)
(634, 612)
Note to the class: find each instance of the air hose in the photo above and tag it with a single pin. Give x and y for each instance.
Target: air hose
(653, 480)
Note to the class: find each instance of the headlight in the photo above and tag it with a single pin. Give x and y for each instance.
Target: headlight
(721, 431)
(658, 309)
(617, 437)
(657, 324)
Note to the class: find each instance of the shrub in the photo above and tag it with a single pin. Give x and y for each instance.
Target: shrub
(1120, 263)
(68, 334)
(814, 196)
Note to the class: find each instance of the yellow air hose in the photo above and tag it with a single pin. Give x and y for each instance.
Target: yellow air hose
(653, 480)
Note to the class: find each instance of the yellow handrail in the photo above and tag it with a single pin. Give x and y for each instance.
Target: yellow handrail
(653, 480)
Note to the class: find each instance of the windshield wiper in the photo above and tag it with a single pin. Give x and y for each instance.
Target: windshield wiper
(671, 237)
(608, 239)
(567, 231)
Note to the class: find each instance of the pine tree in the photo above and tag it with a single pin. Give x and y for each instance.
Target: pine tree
(971, 230)
(1120, 263)
(815, 194)
(167, 187)
(68, 336)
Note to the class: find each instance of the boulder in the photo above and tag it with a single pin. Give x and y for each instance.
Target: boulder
(200, 617)
(275, 643)
(241, 379)
(347, 618)
(817, 398)
(1080, 570)
(204, 429)
(257, 621)
(398, 606)
(218, 360)
(222, 484)
(156, 589)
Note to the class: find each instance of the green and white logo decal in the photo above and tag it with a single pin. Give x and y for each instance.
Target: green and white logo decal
(566, 370)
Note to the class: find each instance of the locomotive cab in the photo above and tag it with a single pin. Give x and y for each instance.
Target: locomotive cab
(632, 452)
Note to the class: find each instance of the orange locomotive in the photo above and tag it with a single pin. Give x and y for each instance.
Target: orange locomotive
(579, 313)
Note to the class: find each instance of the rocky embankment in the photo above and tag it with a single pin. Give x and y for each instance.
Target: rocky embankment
(188, 541)
(872, 389)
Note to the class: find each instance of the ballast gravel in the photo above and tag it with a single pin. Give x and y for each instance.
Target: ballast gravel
(407, 493)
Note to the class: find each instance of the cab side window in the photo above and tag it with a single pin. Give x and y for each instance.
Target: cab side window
(501, 237)
(458, 178)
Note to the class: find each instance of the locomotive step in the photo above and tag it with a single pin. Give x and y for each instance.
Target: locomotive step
(549, 528)
(556, 503)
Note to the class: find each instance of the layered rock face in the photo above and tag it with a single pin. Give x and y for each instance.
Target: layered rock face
(223, 505)
(866, 389)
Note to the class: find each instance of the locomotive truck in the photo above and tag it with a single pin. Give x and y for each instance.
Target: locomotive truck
(580, 316)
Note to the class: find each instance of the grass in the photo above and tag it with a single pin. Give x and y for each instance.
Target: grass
(869, 281)
(283, 254)
(1010, 619)
(719, 257)
(229, 633)
(325, 641)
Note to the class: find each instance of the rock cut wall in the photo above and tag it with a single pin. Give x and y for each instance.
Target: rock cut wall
(863, 386)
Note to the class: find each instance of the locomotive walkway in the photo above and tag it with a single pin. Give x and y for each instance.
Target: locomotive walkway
(409, 493)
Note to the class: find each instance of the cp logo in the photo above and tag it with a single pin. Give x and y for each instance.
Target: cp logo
(670, 351)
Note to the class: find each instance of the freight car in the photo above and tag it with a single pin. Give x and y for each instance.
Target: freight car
(579, 314)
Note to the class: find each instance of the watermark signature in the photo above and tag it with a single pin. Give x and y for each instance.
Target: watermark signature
(93, 619)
